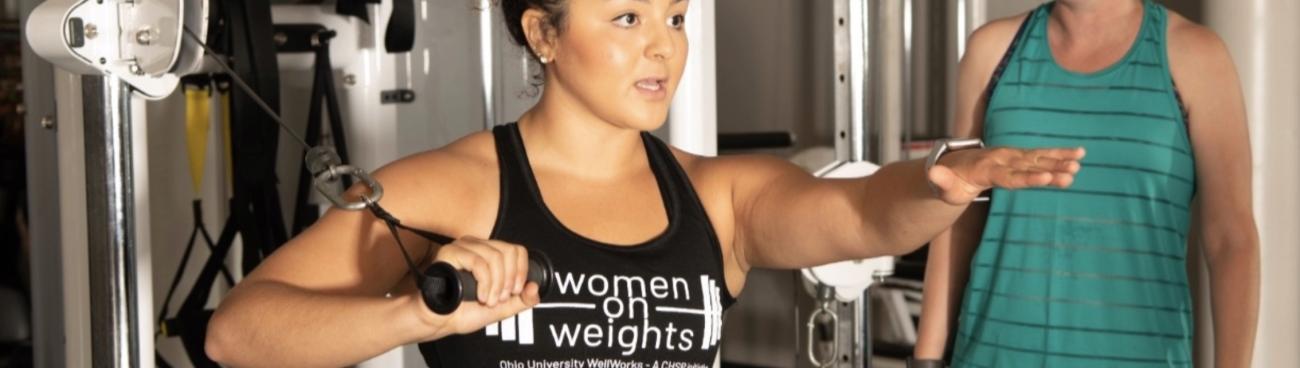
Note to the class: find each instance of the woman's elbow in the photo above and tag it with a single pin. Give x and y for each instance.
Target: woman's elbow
(221, 342)
(1231, 240)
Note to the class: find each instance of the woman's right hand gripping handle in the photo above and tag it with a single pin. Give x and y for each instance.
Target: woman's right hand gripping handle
(501, 271)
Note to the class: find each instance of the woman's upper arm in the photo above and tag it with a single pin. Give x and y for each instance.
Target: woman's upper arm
(777, 207)
(352, 252)
(1206, 78)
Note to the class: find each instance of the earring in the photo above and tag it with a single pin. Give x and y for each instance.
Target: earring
(543, 59)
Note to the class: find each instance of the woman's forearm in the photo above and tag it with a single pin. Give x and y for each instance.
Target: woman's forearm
(1234, 297)
(936, 308)
(277, 325)
(946, 271)
(901, 209)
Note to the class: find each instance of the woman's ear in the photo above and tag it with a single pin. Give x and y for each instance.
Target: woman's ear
(540, 33)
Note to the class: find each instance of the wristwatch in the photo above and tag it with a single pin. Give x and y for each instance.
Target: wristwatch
(944, 146)
(912, 362)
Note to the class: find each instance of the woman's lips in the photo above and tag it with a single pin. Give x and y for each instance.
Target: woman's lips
(654, 88)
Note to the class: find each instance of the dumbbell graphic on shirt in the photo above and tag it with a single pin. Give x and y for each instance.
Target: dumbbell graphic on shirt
(628, 314)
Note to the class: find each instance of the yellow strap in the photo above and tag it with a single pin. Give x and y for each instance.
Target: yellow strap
(225, 131)
(197, 124)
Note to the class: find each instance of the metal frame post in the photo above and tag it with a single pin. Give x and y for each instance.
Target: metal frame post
(852, 73)
(110, 216)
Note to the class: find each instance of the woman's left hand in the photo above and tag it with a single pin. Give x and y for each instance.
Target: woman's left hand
(962, 175)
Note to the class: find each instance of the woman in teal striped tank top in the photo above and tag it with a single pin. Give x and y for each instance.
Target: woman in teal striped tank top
(1096, 275)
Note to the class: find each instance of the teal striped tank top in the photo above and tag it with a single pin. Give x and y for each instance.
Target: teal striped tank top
(1093, 275)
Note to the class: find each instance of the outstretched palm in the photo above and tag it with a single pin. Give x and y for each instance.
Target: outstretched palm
(961, 176)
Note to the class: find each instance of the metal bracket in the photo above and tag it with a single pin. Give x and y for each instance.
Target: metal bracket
(393, 96)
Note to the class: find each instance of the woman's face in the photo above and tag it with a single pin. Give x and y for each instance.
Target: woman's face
(621, 59)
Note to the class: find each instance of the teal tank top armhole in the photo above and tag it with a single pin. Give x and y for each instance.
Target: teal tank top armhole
(1009, 55)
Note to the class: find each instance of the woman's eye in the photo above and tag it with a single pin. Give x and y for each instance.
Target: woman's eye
(677, 21)
(626, 20)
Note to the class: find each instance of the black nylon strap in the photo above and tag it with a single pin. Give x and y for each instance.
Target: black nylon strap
(244, 32)
(388, 218)
(411, 266)
(400, 34)
(191, 322)
(925, 363)
(199, 229)
(322, 90)
(356, 8)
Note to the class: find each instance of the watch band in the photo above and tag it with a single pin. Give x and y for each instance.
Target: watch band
(912, 362)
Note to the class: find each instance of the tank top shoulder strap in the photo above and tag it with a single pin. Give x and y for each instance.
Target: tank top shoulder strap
(517, 182)
(1011, 49)
(681, 189)
(685, 200)
(516, 197)
(1156, 28)
(509, 153)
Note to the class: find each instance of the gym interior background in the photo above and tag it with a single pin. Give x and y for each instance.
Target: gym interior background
(776, 53)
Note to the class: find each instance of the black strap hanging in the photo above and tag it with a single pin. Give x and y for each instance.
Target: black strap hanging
(400, 35)
(244, 32)
(322, 90)
(254, 136)
(356, 8)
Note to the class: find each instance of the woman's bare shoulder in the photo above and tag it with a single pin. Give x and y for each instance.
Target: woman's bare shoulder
(989, 42)
(450, 190)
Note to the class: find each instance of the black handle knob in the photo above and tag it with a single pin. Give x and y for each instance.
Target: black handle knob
(444, 287)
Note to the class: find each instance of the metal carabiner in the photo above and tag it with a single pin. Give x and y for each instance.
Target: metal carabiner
(826, 295)
(326, 169)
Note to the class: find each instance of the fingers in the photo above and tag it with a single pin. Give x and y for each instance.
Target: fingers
(1051, 160)
(504, 286)
(473, 317)
(1038, 167)
(500, 268)
(1013, 179)
(521, 273)
(1009, 178)
(1070, 154)
(528, 298)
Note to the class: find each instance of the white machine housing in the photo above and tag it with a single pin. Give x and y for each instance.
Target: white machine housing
(140, 41)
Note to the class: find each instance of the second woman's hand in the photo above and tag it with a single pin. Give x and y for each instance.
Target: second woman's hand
(961, 176)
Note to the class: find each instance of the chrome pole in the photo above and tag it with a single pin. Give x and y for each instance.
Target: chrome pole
(110, 219)
(889, 77)
(486, 63)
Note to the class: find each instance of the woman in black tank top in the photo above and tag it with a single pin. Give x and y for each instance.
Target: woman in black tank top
(649, 244)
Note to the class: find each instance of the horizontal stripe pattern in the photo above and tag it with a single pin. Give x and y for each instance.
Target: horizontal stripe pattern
(1097, 357)
(1082, 275)
(1091, 138)
(1052, 327)
(1088, 248)
(1147, 64)
(1084, 87)
(1065, 111)
(1094, 274)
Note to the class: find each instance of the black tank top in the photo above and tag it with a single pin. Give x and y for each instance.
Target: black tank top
(654, 304)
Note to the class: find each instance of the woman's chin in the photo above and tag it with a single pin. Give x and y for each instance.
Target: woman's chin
(647, 122)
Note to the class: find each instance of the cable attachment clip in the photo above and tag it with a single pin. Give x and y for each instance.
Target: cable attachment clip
(327, 169)
(823, 328)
